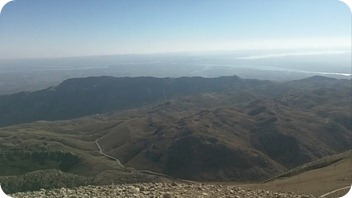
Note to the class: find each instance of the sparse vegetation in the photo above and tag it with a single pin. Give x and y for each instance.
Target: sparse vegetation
(248, 131)
(17, 162)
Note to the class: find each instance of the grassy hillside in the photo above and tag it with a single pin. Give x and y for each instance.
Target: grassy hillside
(55, 154)
(85, 96)
(251, 141)
(250, 132)
(318, 177)
(74, 98)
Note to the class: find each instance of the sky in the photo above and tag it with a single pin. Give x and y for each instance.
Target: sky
(66, 28)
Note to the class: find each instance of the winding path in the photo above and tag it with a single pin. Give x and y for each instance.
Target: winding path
(140, 171)
(334, 191)
(108, 156)
(163, 175)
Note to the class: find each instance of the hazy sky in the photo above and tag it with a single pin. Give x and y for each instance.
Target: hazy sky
(55, 28)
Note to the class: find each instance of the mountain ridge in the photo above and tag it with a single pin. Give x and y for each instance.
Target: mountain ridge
(245, 132)
(78, 97)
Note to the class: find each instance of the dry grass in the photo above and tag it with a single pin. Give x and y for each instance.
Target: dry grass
(316, 181)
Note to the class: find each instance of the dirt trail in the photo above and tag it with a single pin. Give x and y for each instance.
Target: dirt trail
(140, 171)
(108, 156)
(334, 191)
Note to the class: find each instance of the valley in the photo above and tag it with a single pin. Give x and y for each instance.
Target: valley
(224, 129)
(175, 99)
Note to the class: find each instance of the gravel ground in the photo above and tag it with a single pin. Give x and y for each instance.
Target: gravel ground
(158, 190)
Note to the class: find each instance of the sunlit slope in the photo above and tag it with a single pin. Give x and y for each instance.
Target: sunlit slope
(318, 177)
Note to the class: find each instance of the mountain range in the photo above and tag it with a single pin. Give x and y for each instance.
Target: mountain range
(217, 129)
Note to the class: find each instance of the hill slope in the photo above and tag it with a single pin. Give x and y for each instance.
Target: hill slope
(318, 177)
(78, 97)
(238, 142)
(234, 130)
(74, 98)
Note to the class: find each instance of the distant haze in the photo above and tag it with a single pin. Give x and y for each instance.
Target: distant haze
(66, 28)
(33, 74)
(43, 43)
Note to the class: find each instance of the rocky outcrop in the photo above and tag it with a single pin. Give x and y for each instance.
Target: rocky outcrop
(156, 190)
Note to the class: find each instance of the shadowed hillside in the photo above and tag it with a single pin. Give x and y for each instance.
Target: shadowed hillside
(78, 97)
(250, 142)
(227, 130)
(94, 95)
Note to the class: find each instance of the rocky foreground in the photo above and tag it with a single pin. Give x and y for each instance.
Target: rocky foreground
(156, 190)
